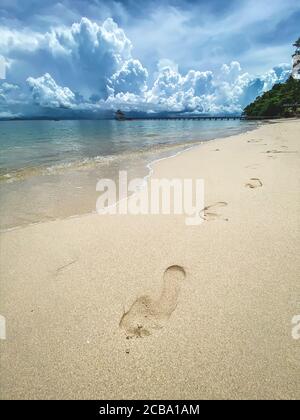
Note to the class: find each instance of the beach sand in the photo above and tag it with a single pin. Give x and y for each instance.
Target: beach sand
(72, 290)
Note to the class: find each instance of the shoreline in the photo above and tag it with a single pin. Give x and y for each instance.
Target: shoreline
(84, 162)
(148, 166)
(68, 285)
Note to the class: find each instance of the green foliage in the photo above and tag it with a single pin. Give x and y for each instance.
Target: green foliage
(272, 103)
(297, 43)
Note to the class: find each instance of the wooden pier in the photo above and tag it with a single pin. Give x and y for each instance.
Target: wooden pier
(181, 118)
(194, 118)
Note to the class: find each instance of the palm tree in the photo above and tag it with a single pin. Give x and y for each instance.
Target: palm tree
(297, 43)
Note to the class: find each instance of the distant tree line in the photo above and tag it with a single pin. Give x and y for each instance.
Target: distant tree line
(297, 43)
(283, 100)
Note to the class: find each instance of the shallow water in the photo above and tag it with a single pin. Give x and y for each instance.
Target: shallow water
(49, 169)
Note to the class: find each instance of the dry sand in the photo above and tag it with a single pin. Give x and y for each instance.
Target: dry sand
(225, 306)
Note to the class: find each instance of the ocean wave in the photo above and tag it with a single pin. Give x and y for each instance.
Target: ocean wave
(89, 163)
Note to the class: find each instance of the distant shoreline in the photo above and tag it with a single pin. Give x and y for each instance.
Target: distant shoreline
(157, 118)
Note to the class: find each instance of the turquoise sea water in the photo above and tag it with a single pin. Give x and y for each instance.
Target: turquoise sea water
(49, 169)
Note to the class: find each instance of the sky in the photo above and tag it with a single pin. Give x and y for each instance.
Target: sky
(82, 58)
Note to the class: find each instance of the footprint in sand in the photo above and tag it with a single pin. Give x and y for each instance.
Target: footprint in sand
(280, 151)
(147, 315)
(254, 141)
(208, 214)
(254, 183)
(257, 142)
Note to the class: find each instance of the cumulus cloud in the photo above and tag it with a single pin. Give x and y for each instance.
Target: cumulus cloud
(47, 93)
(90, 67)
(14, 42)
(227, 91)
(91, 52)
(85, 56)
(8, 87)
(131, 78)
(9, 92)
(277, 75)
